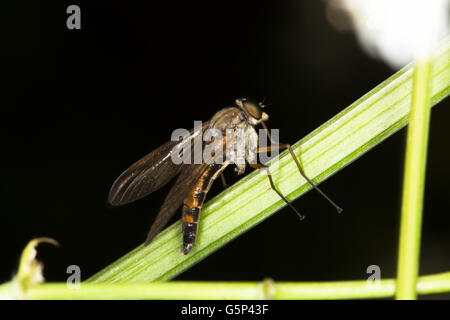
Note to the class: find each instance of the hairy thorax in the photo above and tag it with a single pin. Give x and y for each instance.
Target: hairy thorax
(239, 138)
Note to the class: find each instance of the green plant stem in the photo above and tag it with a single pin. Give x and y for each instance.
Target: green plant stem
(229, 290)
(328, 149)
(413, 183)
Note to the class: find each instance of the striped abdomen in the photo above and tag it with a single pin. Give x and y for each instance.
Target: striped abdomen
(193, 203)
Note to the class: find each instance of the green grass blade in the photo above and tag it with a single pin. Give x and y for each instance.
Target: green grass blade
(341, 140)
(413, 183)
(436, 283)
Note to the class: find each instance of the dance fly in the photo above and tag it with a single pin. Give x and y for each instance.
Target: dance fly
(234, 141)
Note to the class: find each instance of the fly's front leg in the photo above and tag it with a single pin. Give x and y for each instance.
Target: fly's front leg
(283, 146)
(288, 146)
(272, 185)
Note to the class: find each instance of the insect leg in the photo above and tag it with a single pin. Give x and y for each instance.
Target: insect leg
(288, 146)
(224, 182)
(264, 167)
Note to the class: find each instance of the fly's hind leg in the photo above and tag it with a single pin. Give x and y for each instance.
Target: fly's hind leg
(224, 182)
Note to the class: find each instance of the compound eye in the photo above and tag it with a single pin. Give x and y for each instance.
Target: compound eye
(253, 109)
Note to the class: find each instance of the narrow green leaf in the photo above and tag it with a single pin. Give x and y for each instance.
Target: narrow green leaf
(414, 181)
(341, 140)
(436, 283)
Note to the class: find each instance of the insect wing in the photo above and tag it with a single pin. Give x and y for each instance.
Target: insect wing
(151, 172)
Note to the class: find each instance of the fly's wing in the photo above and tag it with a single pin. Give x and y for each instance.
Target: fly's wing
(183, 186)
(151, 172)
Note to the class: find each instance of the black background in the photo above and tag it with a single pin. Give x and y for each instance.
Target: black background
(79, 106)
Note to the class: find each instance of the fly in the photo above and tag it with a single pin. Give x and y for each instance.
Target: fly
(195, 179)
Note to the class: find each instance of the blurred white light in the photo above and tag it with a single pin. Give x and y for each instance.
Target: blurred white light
(398, 31)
